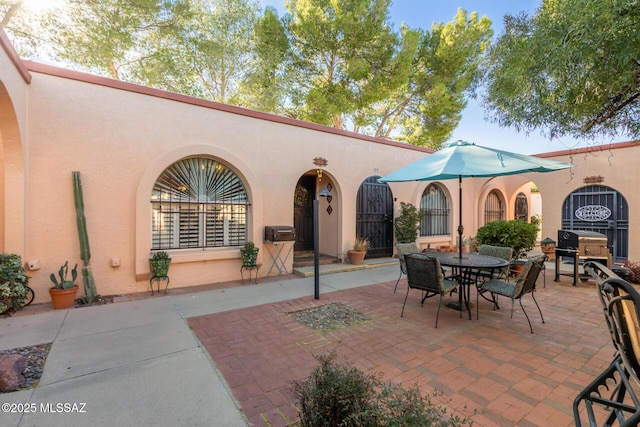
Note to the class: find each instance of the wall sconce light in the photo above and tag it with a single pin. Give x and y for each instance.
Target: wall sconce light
(319, 173)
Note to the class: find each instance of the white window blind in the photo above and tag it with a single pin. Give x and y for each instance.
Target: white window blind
(197, 203)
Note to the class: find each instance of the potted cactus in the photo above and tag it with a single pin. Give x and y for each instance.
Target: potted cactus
(159, 263)
(63, 293)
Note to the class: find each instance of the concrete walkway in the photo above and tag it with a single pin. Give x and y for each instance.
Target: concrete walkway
(138, 363)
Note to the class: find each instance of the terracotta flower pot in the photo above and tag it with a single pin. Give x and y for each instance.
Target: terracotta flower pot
(356, 257)
(63, 298)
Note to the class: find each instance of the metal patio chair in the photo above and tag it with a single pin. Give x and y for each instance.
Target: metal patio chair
(611, 396)
(502, 252)
(425, 273)
(525, 284)
(403, 249)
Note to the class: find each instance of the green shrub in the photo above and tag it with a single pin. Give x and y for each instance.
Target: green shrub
(339, 395)
(13, 282)
(516, 234)
(408, 223)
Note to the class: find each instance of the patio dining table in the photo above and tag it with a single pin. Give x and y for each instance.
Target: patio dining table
(464, 270)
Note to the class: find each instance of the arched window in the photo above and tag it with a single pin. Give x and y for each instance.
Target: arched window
(198, 203)
(493, 207)
(522, 207)
(435, 219)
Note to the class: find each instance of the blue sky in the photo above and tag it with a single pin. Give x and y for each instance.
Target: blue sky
(473, 127)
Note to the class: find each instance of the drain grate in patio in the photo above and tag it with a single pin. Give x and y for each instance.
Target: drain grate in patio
(329, 317)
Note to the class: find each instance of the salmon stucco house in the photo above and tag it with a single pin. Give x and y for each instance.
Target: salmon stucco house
(162, 171)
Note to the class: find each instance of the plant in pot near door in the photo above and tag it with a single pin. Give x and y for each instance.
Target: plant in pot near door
(359, 250)
(63, 293)
(159, 264)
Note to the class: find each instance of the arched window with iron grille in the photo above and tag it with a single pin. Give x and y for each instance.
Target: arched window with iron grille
(493, 207)
(198, 203)
(521, 207)
(435, 209)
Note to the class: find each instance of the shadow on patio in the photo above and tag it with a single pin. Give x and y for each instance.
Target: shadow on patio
(492, 370)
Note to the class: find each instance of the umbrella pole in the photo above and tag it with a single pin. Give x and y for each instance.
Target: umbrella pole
(460, 227)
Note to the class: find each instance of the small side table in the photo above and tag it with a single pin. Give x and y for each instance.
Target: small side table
(279, 258)
(250, 268)
(159, 279)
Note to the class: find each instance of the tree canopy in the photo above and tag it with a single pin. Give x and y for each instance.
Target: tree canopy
(335, 62)
(570, 69)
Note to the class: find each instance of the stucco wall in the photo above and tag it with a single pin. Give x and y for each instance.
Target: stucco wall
(121, 142)
(121, 137)
(14, 79)
(615, 168)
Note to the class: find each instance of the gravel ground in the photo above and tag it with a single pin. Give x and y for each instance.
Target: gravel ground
(330, 317)
(36, 356)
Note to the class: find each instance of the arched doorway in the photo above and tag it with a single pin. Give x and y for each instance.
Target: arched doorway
(374, 217)
(521, 208)
(12, 179)
(601, 209)
(303, 212)
(493, 207)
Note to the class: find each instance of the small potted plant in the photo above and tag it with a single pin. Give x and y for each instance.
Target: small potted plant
(464, 242)
(63, 292)
(548, 246)
(249, 254)
(359, 250)
(159, 263)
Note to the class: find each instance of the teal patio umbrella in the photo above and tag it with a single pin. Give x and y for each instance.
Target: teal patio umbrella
(462, 159)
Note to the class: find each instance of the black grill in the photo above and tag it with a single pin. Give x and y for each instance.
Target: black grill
(580, 246)
(279, 233)
(589, 244)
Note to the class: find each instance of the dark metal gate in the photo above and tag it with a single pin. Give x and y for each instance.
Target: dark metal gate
(303, 213)
(603, 210)
(374, 217)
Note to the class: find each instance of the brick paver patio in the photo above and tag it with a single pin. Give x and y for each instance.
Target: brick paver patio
(492, 370)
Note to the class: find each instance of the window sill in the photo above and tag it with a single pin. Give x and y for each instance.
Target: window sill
(179, 256)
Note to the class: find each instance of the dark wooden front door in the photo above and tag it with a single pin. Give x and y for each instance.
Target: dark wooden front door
(601, 209)
(374, 217)
(303, 213)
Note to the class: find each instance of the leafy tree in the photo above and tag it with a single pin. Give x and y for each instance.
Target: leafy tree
(335, 62)
(352, 70)
(219, 48)
(267, 83)
(446, 69)
(112, 37)
(28, 28)
(342, 52)
(570, 69)
(196, 47)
